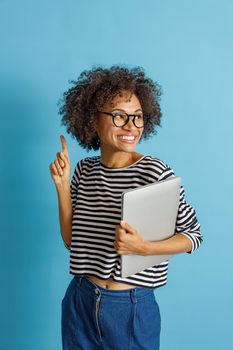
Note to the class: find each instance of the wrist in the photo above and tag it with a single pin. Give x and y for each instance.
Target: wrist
(64, 185)
(146, 248)
(149, 248)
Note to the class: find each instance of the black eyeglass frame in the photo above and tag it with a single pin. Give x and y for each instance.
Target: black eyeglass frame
(128, 115)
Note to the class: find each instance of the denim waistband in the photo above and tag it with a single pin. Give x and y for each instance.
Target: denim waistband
(131, 294)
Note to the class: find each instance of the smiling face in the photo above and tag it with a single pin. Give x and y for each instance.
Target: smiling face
(119, 139)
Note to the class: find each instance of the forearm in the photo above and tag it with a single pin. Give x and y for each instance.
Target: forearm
(173, 245)
(65, 211)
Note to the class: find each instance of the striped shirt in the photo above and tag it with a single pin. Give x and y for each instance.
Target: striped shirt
(96, 200)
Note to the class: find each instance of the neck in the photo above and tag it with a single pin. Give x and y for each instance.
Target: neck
(119, 159)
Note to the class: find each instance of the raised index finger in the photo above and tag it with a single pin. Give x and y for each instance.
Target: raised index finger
(64, 145)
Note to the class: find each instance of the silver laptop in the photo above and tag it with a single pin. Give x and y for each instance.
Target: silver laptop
(152, 210)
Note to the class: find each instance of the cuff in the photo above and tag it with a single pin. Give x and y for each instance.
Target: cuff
(192, 241)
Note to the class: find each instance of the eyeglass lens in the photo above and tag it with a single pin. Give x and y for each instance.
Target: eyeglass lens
(121, 119)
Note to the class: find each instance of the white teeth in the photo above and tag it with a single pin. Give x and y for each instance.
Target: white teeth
(131, 138)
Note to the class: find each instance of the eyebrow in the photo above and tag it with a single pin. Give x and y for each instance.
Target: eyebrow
(122, 110)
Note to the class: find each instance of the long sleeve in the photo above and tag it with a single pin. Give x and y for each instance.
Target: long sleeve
(74, 183)
(186, 222)
(73, 189)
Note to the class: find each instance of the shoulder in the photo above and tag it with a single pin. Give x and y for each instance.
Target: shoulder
(88, 162)
(154, 161)
(157, 166)
(83, 166)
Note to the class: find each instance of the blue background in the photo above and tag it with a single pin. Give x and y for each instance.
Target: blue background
(187, 47)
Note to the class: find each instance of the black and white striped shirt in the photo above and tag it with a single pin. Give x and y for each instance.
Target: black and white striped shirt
(96, 199)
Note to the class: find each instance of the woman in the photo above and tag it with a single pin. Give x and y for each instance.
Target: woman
(112, 110)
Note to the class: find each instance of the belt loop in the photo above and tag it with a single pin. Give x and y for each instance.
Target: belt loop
(79, 279)
(133, 295)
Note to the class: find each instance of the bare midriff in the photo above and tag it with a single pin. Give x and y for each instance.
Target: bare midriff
(109, 283)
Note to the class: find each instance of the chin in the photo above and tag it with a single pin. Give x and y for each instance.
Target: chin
(128, 149)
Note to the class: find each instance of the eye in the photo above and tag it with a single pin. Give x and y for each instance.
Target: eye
(139, 116)
(120, 116)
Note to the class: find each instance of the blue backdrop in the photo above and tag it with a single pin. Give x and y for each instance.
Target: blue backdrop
(187, 46)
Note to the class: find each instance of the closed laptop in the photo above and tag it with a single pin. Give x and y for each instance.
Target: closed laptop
(152, 210)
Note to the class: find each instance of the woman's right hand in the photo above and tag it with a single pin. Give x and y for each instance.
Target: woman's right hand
(60, 168)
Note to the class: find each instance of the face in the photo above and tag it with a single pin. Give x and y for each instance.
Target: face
(125, 138)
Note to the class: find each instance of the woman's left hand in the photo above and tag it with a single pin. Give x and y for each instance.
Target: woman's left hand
(128, 240)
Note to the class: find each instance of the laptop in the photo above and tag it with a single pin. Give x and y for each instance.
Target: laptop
(152, 210)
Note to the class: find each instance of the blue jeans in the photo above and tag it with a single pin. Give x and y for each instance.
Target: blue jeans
(98, 318)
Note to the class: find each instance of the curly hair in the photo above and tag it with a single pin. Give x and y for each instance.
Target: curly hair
(98, 86)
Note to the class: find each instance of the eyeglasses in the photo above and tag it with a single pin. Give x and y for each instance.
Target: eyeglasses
(121, 118)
